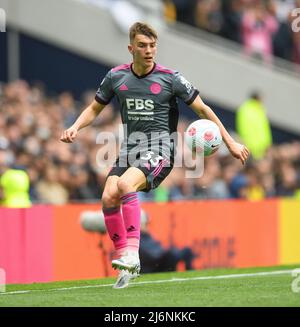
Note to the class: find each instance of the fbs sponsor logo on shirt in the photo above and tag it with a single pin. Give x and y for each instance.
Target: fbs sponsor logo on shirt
(139, 104)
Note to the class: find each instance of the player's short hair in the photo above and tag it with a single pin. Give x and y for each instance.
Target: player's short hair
(143, 29)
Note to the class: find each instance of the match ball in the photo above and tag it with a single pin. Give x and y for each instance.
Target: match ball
(203, 136)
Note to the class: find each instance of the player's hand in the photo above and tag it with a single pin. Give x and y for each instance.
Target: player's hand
(69, 135)
(239, 151)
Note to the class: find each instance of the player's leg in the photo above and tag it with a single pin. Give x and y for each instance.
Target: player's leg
(112, 215)
(151, 170)
(131, 212)
(132, 180)
(115, 225)
(129, 184)
(149, 174)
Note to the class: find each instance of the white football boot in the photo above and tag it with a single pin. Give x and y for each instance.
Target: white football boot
(124, 278)
(129, 261)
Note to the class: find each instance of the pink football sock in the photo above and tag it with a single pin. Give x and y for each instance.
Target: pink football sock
(132, 218)
(133, 244)
(115, 228)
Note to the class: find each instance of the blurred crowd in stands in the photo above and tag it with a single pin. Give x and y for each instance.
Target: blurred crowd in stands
(263, 27)
(30, 128)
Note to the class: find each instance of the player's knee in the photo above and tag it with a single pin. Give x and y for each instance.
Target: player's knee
(124, 186)
(110, 198)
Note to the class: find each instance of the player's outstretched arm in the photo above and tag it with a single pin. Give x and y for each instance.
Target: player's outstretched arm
(238, 150)
(86, 118)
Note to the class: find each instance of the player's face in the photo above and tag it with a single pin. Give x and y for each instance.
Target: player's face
(143, 50)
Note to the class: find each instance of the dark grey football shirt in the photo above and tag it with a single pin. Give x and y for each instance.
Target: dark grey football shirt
(149, 102)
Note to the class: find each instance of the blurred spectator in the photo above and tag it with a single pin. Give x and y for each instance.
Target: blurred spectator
(232, 12)
(185, 11)
(209, 16)
(238, 186)
(254, 190)
(258, 28)
(14, 185)
(169, 11)
(179, 186)
(155, 258)
(253, 126)
(79, 185)
(247, 185)
(49, 190)
(230, 171)
(282, 41)
(67, 106)
(211, 185)
(288, 180)
(264, 169)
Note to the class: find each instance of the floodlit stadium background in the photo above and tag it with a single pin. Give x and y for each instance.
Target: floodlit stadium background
(53, 56)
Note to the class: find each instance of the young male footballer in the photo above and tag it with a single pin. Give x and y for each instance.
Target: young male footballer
(147, 93)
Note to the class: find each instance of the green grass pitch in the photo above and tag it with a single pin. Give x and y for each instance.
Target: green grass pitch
(260, 287)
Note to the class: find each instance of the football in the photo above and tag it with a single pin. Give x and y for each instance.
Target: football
(203, 136)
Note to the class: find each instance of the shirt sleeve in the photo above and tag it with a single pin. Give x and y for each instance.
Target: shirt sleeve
(183, 89)
(105, 91)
